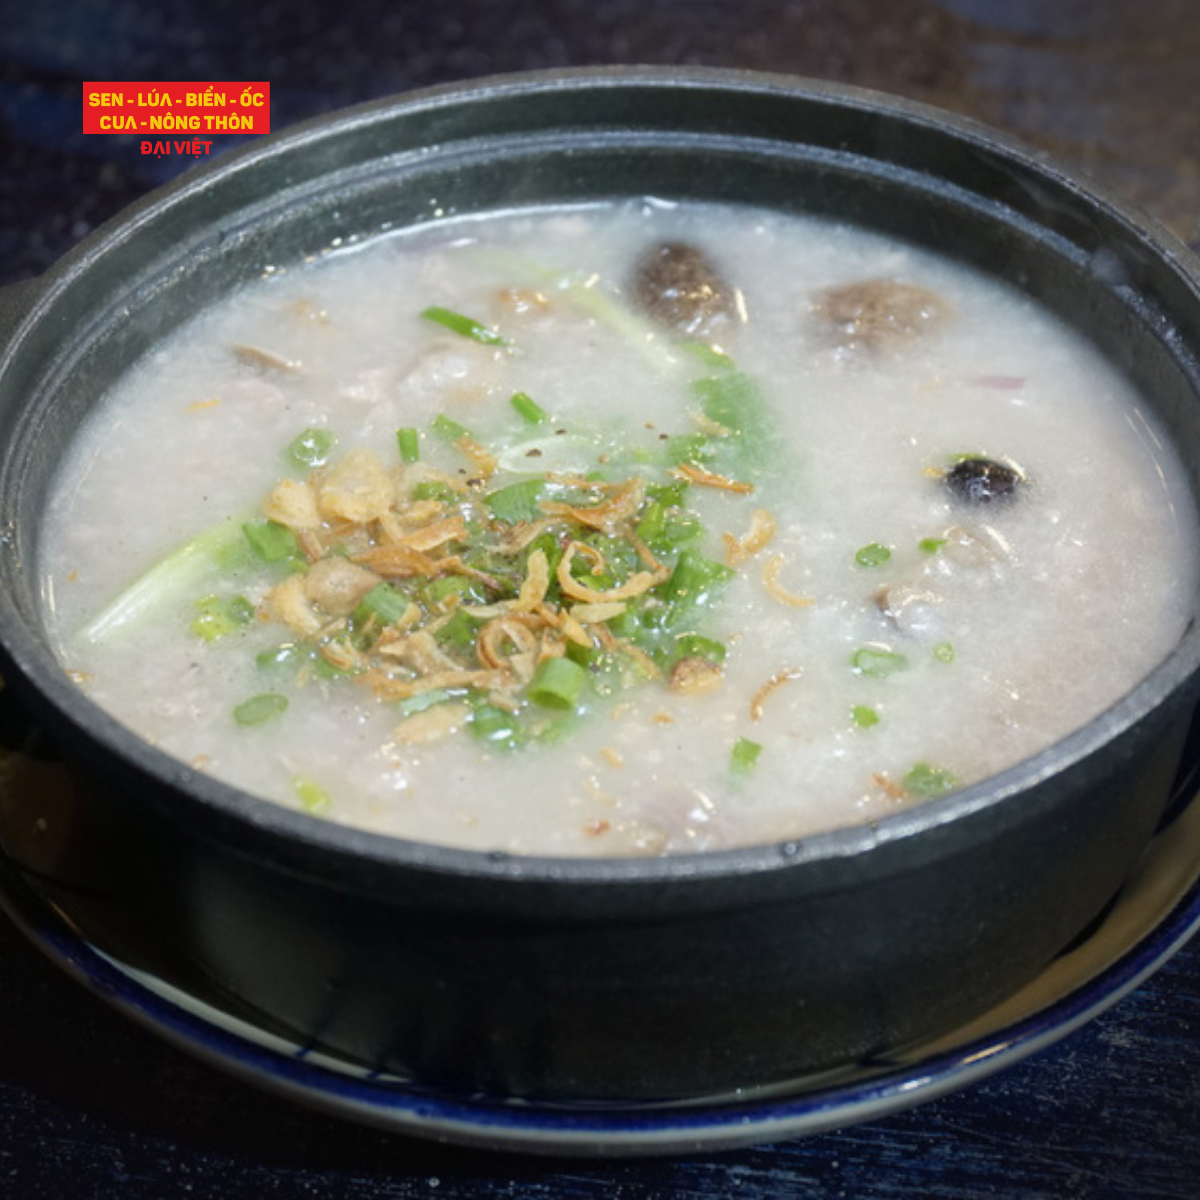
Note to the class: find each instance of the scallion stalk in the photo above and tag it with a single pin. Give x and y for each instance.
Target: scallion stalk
(408, 439)
(557, 683)
(528, 409)
(178, 573)
(464, 326)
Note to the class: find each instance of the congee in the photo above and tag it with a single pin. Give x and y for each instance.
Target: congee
(623, 529)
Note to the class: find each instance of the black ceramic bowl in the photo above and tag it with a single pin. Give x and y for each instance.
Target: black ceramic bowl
(587, 979)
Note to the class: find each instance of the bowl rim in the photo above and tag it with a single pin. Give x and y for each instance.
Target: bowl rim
(303, 841)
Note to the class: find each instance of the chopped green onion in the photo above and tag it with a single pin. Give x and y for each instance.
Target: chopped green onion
(313, 797)
(516, 502)
(931, 545)
(557, 683)
(528, 409)
(877, 663)
(311, 448)
(709, 355)
(322, 668)
(408, 439)
(944, 652)
(689, 448)
(260, 709)
(495, 725)
(444, 586)
(464, 326)
(927, 781)
(744, 754)
(652, 523)
(423, 700)
(288, 654)
(435, 489)
(863, 716)
(669, 495)
(693, 645)
(216, 617)
(449, 430)
(240, 610)
(386, 602)
(874, 554)
(272, 542)
(695, 577)
(733, 401)
(458, 633)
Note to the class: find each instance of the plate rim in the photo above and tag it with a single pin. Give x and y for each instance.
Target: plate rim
(789, 1110)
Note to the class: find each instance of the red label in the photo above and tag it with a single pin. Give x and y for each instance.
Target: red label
(175, 110)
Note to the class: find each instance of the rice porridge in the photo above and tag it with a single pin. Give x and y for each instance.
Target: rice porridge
(617, 530)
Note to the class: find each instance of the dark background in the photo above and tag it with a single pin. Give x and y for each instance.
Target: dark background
(91, 1106)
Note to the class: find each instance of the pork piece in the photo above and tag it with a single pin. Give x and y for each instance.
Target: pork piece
(910, 607)
(678, 287)
(880, 314)
(338, 585)
(926, 601)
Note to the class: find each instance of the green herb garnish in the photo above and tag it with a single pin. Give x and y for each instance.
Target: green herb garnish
(926, 781)
(272, 542)
(693, 645)
(217, 617)
(260, 709)
(464, 326)
(450, 430)
(409, 442)
(876, 662)
(874, 554)
(517, 501)
(863, 716)
(744, 754)
(311, 448)
(557, 683)
(386, 602)
(528, 409)
(312, 796)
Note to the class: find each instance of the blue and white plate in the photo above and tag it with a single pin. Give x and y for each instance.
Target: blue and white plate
(1155, 913)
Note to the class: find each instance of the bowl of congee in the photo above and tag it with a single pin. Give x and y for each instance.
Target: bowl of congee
(616, 585)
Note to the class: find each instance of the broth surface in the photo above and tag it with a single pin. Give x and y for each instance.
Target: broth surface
(884, 639)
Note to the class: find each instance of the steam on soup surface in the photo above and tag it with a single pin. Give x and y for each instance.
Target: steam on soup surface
(622, 530)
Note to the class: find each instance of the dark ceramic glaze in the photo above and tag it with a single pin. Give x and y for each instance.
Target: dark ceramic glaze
(586, 979)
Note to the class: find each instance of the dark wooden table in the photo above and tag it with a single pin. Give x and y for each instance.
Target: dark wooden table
(93, 1106)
